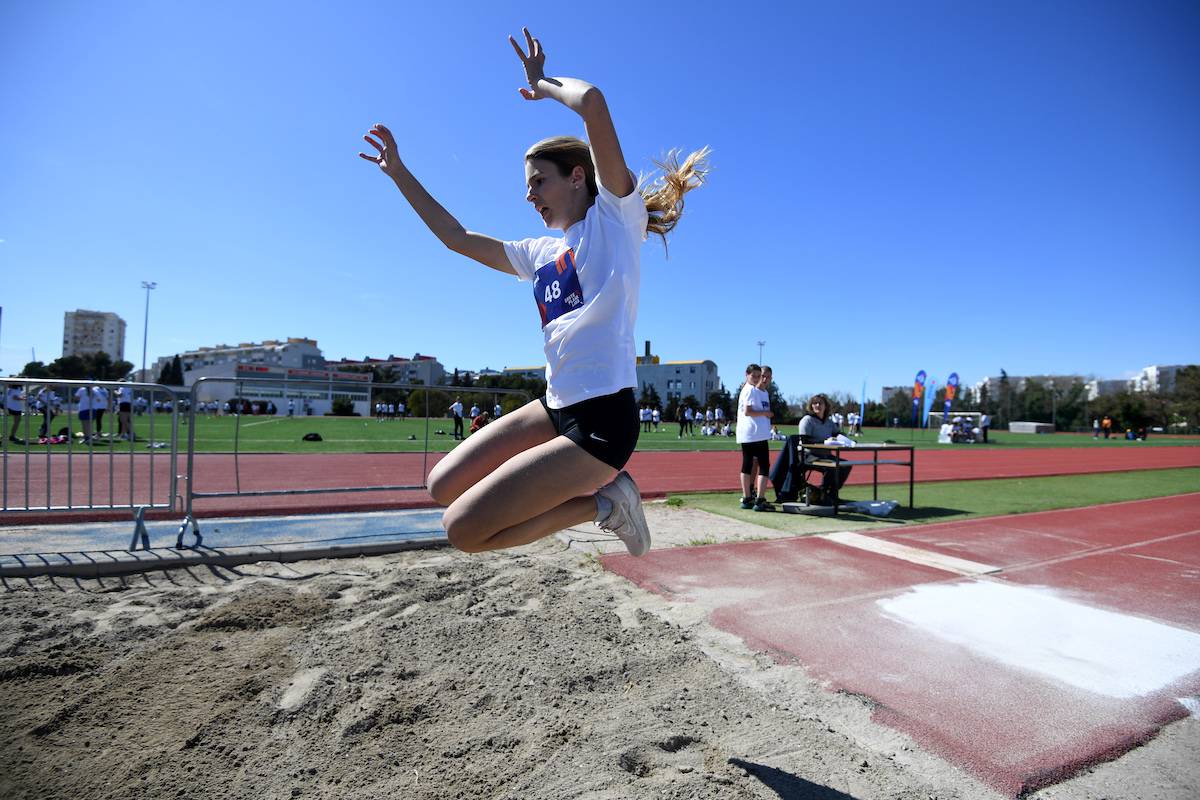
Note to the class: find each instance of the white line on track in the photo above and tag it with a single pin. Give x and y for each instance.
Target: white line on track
(914, 555)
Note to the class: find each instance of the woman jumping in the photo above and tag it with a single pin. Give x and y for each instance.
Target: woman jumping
(536, 471)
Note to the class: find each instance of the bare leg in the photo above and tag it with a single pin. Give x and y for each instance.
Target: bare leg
(762, 485)
(479, 456)
(745, 484)
(537, 492)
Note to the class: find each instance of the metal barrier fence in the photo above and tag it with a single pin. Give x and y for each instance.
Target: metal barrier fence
(80, 466)
(205, 390)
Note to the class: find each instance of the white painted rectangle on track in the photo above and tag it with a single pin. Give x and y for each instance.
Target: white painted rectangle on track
(905, 552)
(1034, 629)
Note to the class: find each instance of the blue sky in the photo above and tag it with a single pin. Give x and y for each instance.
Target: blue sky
(944, 186)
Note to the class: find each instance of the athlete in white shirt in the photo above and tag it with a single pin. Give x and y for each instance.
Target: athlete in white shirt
(535, 471)
(753, 431)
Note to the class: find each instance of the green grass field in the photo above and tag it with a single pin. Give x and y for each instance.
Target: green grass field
(365, 435)
(958, 500)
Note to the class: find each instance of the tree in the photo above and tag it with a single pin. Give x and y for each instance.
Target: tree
(780, 413)
(649, 397)
(342, 407)
(34, 369)
(172, 373)
(899, 406)
(1186, 401)
(721, 399)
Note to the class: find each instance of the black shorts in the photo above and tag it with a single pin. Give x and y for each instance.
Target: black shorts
(123, 408)
(756, 451)
(605, 427)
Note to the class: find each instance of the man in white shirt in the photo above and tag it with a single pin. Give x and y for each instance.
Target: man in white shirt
(14, 406)
(99, 407)
(125, 413)
(497, 411)
(456, 411)
(83, 409)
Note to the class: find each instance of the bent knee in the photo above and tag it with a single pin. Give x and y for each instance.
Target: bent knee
(466, 532)
(442, 486)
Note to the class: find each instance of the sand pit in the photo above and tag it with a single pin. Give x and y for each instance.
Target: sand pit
(428, 674)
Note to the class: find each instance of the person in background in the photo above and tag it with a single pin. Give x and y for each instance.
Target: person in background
(47, 403)
(479, 420)
(100, 403)
(1106, 425)
(753, 430)
(83, 409)
(655, 417)
(14, 406)
(125, 413)
(764, 383)
(817, 426)
(689, 418)
(456, 411)
(985, 424)
(497, 411)
(1095, 427)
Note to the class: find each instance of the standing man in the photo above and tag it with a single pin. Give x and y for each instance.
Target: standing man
(1106, 426)
(125, 413)
(100, 401)
(985, 422)
(291, 407)
(47, 403)
(83, 409)
(497, 411)
(1095, 428)
(14, 405)
(689, 417)
(456, 411)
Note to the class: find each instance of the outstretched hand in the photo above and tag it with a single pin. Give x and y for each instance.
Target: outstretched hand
(534, 64)
(388, 158)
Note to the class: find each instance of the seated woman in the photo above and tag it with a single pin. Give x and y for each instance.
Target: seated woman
(815, 428)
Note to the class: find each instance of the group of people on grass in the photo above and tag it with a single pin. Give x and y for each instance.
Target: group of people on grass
(90, 404)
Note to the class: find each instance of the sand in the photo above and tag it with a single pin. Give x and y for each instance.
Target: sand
(435, 674)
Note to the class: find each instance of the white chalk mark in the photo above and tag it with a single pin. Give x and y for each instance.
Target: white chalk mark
(1032, 628)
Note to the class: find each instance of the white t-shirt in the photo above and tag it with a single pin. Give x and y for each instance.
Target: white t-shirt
(83, 399)
(13, 400)
(124, 395)
(753, 429)
(456, 409)
(99, 398)
(586, 286)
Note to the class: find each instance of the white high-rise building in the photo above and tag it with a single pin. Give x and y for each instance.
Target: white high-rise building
(93, 332)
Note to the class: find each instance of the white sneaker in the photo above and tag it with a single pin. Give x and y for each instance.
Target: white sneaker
(626, 521)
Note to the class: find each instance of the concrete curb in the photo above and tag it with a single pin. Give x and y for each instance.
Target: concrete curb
(108, 563)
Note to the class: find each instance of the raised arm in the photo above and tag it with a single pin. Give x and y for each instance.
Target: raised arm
(481, 248)
(586, 101)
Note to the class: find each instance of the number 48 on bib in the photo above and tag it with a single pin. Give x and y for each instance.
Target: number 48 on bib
(556, 288)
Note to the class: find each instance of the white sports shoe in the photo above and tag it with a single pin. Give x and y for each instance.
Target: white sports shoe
(626, 521)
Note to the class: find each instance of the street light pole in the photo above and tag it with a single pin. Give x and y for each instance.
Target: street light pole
(760, 347)
(147, 285)
(1054, 405)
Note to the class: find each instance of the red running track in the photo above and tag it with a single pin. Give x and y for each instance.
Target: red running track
(1082, 646)
(657, 473)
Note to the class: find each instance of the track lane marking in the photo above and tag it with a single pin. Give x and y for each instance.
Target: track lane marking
(904, 552)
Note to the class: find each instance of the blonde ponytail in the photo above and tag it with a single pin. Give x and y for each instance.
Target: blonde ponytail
(664, 196)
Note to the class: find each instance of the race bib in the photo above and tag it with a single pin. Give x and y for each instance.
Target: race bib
(556, 288)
